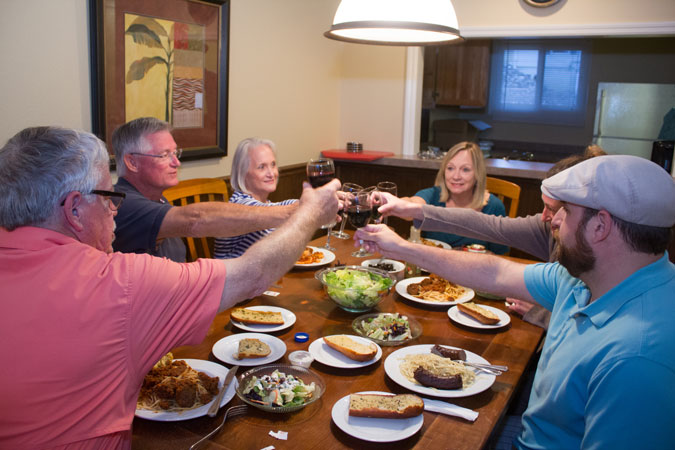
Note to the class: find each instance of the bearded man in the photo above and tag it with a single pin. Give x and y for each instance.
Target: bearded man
(604, 376)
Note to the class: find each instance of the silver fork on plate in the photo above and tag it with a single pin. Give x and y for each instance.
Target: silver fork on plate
(231, 411)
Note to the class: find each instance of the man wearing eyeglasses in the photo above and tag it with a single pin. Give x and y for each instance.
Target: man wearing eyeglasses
(81, 325)
(147, 163)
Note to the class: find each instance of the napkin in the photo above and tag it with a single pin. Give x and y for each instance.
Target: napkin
(438, 406)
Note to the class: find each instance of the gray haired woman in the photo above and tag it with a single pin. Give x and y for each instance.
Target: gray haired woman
(255, 176)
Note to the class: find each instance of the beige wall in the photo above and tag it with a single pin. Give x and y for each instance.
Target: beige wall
(287, 82)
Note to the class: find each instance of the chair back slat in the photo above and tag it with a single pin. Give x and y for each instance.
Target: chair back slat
(194, 191)
(505, 190)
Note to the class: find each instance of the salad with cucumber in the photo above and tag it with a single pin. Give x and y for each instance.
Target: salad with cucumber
(278, 389)
(356, 288)
(387, 327)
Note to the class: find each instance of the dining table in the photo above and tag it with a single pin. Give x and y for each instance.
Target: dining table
(514, 345)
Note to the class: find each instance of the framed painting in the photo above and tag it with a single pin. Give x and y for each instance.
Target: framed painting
(166, 59)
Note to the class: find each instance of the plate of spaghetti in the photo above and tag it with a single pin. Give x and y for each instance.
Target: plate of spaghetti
(401, 364)
(181, 389)
(315, 257)
(433, 290)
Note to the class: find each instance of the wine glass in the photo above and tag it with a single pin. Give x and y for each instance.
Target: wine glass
(349, 188)
(387, 186)
(359, 209)
(319, 172)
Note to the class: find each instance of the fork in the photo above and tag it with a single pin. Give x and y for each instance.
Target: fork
(231, 411)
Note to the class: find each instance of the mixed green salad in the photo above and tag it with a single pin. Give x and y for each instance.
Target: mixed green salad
(278, 389)
(387, 327)
(356, 288)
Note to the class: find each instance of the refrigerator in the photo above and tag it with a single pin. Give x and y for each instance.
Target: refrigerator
(629, 117)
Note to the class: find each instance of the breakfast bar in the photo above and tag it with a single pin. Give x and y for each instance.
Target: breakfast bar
(313, 427)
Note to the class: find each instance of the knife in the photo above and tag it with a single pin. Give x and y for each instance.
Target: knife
(438, 406)
(213, 410)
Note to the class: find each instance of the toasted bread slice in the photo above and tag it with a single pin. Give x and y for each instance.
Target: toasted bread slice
(251, 316)
(252, 348)
(479, 313)
(351, 348)
(400, 406)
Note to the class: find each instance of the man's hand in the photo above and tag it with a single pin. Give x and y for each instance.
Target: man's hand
(519, 306)
(321, 204)
(379, 239)
(394, 206)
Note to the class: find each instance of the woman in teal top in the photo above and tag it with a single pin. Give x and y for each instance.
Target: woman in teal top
(460, 183)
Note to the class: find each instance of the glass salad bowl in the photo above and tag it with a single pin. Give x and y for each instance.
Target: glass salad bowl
(356, 288)
(280, 388)
(387, 329)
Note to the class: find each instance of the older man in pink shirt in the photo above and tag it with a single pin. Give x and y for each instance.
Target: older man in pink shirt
(81, 326)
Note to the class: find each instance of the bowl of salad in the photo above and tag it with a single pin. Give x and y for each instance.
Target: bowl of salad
(387, 329)
(356, 288)
(280, 388)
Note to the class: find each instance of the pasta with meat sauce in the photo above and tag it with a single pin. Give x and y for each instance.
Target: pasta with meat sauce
(172, 385)
(436, 289)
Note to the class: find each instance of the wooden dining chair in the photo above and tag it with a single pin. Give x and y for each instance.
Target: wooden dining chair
(195, 191)
(505, 190)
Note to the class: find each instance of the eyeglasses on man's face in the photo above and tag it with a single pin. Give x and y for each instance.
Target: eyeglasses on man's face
(114, 198)
(165, 156)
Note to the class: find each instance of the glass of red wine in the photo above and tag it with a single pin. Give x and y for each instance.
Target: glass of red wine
(347, 188)
(359, 210)
(319, 172)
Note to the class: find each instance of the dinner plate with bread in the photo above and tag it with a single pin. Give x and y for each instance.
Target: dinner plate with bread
(479, 316)
(249, 349)
(345, 351)
(262, 319)
(379, 416)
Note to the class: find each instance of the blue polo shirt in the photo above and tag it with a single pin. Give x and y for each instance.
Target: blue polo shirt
(606, 376)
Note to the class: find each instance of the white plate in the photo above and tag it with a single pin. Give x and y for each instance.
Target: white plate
(371, 429)
(402, 286)
(227, 347)
(458, 316)
(328, 257)
(441, 243)
(393, 361)
(289, 319)
(331, 357)
(213, 370)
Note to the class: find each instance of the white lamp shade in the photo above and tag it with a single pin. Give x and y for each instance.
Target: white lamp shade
(395, 22)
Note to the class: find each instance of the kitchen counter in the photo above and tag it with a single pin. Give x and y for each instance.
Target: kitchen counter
(495, 166)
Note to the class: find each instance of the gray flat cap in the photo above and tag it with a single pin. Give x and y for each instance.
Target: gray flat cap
(631, 188)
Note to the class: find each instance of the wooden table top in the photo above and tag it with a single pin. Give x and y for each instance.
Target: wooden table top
(312, 427)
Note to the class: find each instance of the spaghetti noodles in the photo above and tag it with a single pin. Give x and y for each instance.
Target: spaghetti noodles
(436, 289)
(172, 385)
(437, 365)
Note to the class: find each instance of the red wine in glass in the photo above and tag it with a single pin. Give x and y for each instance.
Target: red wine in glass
(359, 216)
(320, 178)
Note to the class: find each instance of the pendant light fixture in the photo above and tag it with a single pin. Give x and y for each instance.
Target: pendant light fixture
(395, 22)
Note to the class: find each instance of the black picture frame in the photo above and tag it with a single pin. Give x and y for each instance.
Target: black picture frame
(212, 140)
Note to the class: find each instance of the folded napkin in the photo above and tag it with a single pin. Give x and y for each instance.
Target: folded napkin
(438, 406)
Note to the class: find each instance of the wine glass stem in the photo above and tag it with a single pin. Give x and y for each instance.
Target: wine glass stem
(342, 224)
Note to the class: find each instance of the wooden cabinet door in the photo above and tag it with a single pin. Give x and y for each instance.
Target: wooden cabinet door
(462, 73)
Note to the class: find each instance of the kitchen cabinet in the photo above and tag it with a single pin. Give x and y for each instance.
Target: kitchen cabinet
(457, 74)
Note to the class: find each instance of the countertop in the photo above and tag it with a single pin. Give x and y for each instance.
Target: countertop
(494, 166)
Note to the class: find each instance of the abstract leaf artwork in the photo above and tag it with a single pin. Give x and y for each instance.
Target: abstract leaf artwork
(164, 70)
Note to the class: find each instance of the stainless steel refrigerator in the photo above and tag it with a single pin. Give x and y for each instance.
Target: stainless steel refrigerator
(630, 116)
